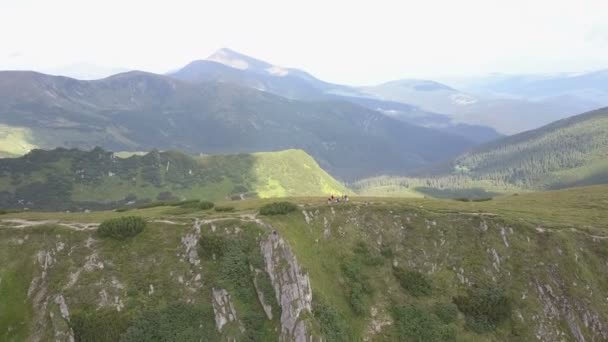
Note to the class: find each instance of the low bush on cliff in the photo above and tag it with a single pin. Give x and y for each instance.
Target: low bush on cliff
(278, 208)
(122, 227)
(484, 307)
(415, 283)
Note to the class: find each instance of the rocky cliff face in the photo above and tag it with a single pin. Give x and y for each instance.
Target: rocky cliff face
(291, 285)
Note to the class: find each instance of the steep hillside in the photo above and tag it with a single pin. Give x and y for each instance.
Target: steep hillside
(72, 179)
(570, 152)
(531, 267)
(139, 111)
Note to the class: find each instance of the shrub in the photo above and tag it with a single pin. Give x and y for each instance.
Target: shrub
(484, 307)
(414, 282)
(186, 202)
(278, 208)
(387, 252)
(212, 244)
(333, 325)
(155, 204)
(366, 256)
(224, 208)
(177, 322)
(447, 312)
(98, 325)
(200, 205)
(121, 228)
(415, 324)
(358, 285)
(122, 210)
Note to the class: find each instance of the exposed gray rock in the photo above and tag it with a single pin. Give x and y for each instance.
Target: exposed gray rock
(223, 308)
(61, 326)
(306, 217)
(292, 288)
(63, 307)
(190, 242)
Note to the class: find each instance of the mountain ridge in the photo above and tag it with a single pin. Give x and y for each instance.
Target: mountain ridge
(137, 111)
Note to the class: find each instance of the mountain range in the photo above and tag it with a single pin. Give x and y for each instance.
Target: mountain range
(481, 105)
(139, 111)
(233, 103)
(229, 66)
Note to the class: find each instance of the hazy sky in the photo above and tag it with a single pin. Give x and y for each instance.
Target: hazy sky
(357, 42)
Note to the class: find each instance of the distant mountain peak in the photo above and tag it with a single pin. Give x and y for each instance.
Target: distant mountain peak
(241, 61)
(231, 58)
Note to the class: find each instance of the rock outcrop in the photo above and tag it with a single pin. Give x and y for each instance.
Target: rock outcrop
(292, 288)
(222, 308)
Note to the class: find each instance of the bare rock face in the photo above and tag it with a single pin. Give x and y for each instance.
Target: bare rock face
(291, 286)
(558, 306)
(223, 308)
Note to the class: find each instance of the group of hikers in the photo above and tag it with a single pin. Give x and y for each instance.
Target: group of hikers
(337, 199)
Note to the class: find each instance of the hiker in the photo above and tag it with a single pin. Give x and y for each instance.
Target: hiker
(345, 198)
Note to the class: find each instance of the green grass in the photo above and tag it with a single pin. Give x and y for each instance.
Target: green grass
(14, 141)
(40, 177)
(549, 239)
(290, 173)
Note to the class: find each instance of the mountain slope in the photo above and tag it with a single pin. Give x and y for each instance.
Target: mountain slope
(568, 152)
(416, 116)
(530, 267)
(64, 179)
(229, 66)
(139, 111)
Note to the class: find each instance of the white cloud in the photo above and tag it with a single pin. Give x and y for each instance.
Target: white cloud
(342, 41)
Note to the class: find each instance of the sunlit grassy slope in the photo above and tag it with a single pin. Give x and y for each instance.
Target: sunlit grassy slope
(14, 141)
(291, 173)
(545, 251)
(71, 178)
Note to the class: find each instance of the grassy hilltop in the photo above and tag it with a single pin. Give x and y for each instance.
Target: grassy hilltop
(514, 268)
(66, 179)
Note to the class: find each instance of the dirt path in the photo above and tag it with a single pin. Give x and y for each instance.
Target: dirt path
(20, 224)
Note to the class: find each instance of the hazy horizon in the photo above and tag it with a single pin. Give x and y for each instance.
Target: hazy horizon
(373, 42)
